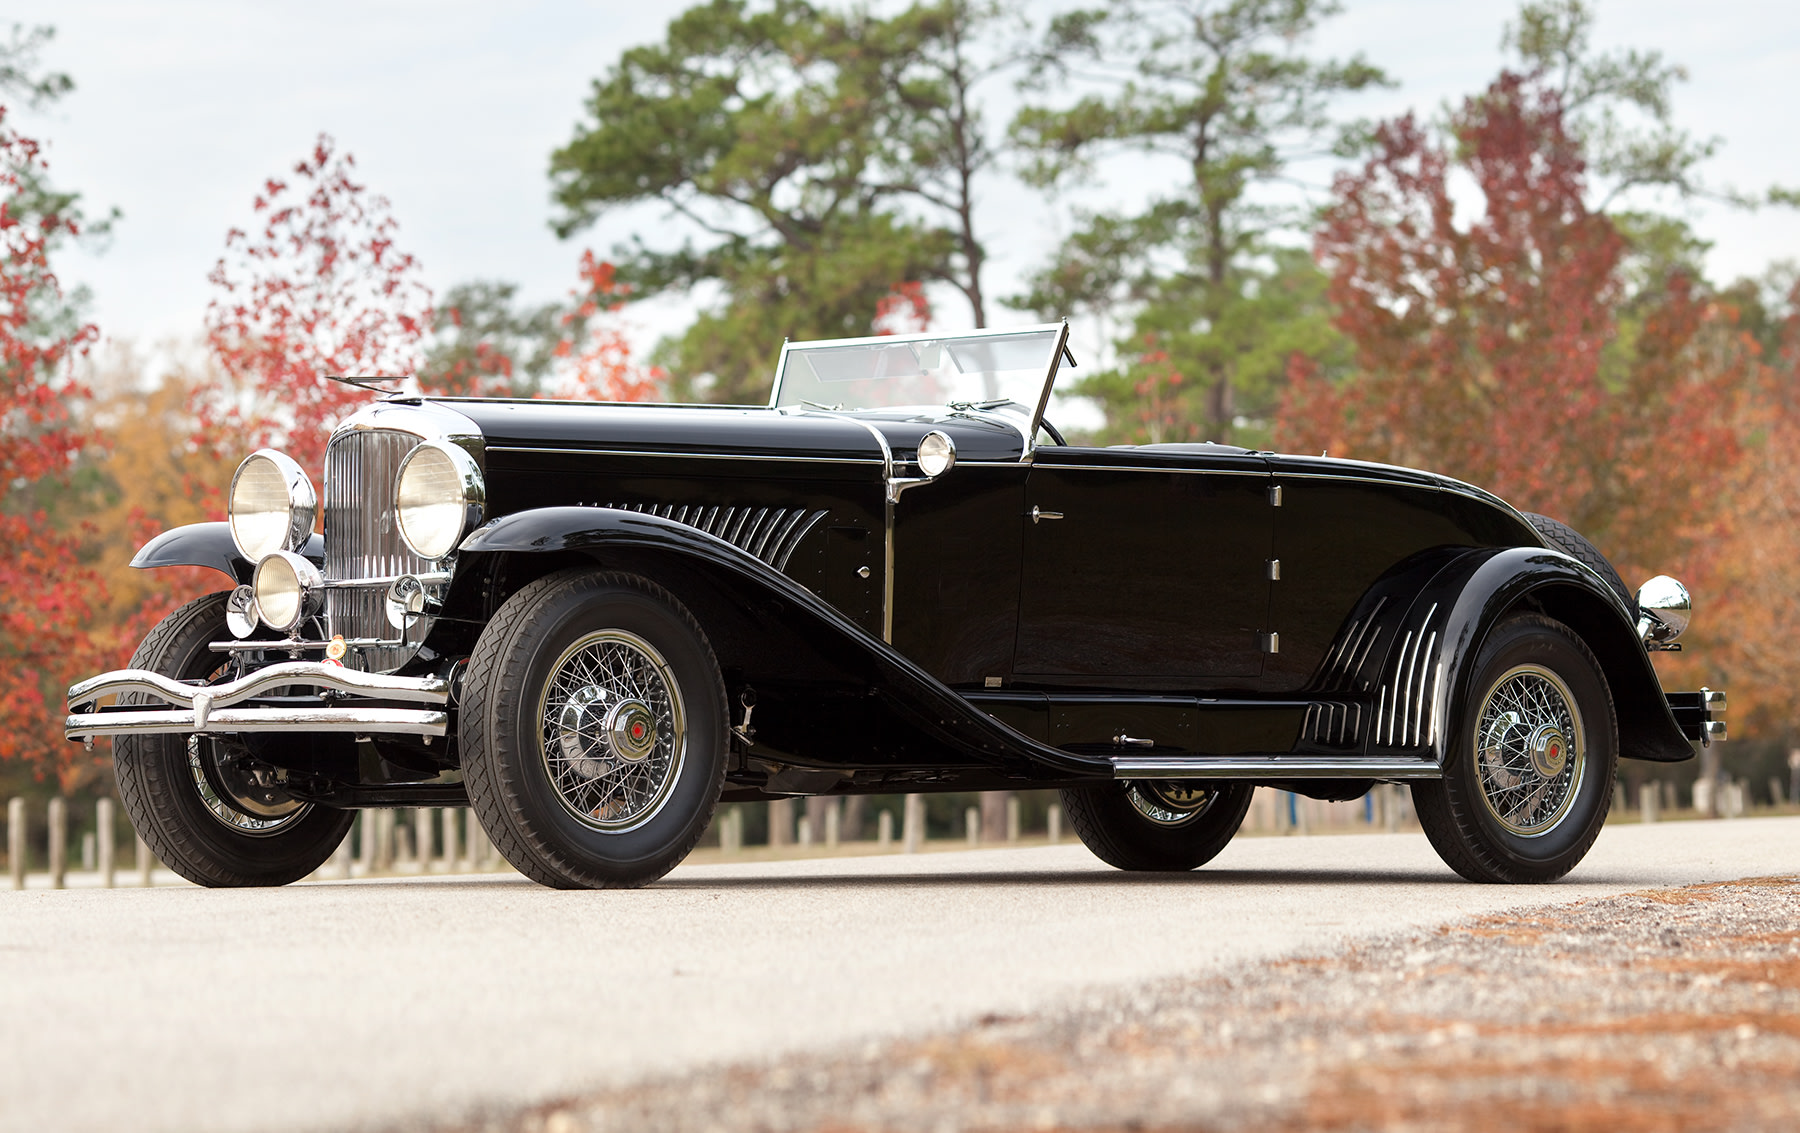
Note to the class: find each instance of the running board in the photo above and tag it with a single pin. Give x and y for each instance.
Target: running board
(1270, 767)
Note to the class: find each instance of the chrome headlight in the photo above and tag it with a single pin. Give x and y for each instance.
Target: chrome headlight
(288, 590)
(439, 495)
(1664, 609)
(272, 505)
(937, 454)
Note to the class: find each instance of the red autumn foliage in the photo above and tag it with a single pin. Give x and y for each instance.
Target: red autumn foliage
(47, 598)
(903, 310)
(594, 349)
(1481, 346)
(316, 289)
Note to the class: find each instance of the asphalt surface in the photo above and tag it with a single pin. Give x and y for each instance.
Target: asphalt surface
(372, 1003)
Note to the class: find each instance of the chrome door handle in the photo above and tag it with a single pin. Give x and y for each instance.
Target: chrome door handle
(1038, 514)
(1122, 740)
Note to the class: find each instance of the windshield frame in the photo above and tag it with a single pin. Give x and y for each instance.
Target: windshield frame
(1061, 329)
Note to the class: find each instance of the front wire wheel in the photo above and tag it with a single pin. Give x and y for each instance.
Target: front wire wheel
(593, 729)
(1155, 824)
(1529, 781)
(189, 796)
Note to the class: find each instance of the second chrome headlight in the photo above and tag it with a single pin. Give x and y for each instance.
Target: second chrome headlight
(288, 590)
(271, 506)
(439, 495)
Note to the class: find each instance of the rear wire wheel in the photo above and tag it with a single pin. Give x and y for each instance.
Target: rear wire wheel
(1530, 776)
(1157, 824)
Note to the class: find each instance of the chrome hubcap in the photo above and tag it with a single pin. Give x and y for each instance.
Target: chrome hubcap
(1169, 804)
(1528, 742)
(614, 733)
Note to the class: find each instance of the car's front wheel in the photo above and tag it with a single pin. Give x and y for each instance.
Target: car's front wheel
(1157, 825)
(1529, 778)
(593, 730)
(192, 798)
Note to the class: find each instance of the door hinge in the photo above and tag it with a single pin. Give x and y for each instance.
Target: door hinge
(1274, 570)
(1275, 495)
(1271, 643)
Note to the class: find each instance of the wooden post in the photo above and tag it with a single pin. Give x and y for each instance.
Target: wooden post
(452, 816)
(479, 846)
(972, 824)
(145, 860)
(834, 821)
(103, 827)
(781, 822)
(424, 827)
(912, 826)
(340, 859)
(1012, 817)
(15, 842)
(884, 829)
(1053, 823)
(1647, 799)
(59, 841)
(731, 831)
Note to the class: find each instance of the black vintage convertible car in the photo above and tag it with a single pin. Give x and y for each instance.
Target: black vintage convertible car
(592, 622)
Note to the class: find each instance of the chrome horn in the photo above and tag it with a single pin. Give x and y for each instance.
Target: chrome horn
(1664, 610)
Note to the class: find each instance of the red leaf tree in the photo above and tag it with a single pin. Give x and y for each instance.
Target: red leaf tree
(317, 288)
(47, 597)
(594, 355)
(1488, 349)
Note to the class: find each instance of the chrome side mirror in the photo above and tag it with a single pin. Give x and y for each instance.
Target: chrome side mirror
(1664, 610)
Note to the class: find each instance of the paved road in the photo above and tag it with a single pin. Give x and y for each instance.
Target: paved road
(330, 1005)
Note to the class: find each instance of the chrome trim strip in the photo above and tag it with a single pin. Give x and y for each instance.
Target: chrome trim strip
(426, 690)
(1263, 475)
(689, 455)
(889, 497)
(393, 721)
(1270, 767)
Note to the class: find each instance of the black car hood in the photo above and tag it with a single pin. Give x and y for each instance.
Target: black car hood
(729, 430)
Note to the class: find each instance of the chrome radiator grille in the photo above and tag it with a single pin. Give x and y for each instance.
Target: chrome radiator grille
(362, 540)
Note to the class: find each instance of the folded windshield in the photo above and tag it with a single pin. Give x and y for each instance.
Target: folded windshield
(981, 367)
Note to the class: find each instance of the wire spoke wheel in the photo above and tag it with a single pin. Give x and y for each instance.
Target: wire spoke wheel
(1169, 804)
(614, 733)
(243, 815)
(1529, 747)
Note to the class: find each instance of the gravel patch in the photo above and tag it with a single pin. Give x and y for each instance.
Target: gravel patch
(1661, 1010)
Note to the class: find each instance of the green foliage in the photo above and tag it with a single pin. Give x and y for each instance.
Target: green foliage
(800, 143)
(1221, 88)
(483, 342)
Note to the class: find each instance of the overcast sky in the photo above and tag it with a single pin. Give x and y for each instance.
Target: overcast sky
(451, 108)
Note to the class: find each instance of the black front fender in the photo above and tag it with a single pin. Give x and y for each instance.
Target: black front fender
(209, 545)
(753, 609)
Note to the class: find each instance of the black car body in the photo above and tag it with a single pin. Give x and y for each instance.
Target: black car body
(926, 596)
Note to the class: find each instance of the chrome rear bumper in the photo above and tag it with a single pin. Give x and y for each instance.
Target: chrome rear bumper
(207, 708)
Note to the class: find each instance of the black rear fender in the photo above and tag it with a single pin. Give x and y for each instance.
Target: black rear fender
(1484, 587)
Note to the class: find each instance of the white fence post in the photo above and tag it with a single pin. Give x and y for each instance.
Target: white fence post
(424, 840)
(1053, 823)
(834, 823)
(452, 844)
(144, 860)
(59, 841)
(103, 827)
(15, 841)
(884, 828)
(1012, 818)
(912, 829)
(1647, 798)
(972, 824)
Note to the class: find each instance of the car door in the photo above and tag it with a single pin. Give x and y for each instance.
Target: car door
(1148, 562)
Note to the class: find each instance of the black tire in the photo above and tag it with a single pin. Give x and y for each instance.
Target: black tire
(1511, 812)
(649, 808)
(1574, 544)
(177, 796)
(1156, 825)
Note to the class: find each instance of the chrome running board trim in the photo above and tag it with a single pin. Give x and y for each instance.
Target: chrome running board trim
(389, 721)
(1271, 767)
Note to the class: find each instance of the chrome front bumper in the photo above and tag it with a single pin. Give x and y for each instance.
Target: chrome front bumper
(207, 708)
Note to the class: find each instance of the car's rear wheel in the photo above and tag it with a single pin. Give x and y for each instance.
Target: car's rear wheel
(192, 799)
(1529, 778)
(593, 730)
(1157, 825)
